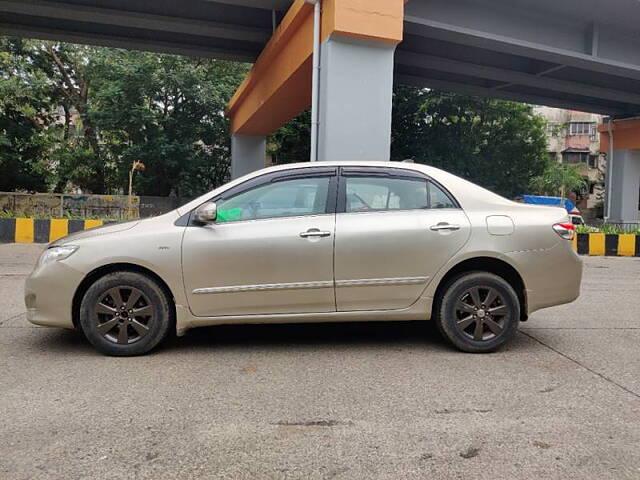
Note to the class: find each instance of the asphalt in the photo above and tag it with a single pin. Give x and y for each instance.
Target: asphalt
(350, 401)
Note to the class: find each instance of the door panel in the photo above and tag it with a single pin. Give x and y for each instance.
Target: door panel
(260, 266)
(384, 260)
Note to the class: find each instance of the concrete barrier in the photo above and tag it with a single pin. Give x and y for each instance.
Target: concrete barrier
(613, 245)
(30, 230)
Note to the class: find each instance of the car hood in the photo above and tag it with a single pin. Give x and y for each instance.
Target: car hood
(95, 232)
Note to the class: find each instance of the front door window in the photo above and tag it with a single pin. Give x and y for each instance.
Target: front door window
(286, 198)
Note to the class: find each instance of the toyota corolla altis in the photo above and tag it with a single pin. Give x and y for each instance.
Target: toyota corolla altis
(314, 242)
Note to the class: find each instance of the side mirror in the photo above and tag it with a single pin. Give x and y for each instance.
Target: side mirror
(206, 213)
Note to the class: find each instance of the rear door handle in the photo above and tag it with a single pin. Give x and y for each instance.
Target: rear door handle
(444, 226)
(314, 232)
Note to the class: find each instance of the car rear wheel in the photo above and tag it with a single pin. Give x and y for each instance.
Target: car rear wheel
(125, 313)
(478, 312)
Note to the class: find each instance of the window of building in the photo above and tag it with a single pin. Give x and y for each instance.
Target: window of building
(575, 157)
(583, 128)
(593, 161)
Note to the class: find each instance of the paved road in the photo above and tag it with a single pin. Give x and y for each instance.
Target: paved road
(329, 401)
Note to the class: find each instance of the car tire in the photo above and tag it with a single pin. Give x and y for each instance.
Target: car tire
(125, 314)
(478, 312)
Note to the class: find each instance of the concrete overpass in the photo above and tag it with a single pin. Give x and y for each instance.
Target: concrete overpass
(578, 54)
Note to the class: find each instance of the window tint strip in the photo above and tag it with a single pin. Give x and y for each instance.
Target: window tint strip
(381, 172)
(306, 173)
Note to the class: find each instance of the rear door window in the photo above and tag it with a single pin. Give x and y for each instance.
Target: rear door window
(378, 193)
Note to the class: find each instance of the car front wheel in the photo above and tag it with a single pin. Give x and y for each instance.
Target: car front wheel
(125, 313)
(478, 312)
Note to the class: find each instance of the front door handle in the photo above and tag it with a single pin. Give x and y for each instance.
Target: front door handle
(444, 226)
(314, 232)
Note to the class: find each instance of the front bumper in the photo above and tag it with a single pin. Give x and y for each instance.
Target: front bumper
(48, 295)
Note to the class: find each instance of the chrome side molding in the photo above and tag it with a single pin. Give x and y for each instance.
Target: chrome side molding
(374, 282)
(264, 287)
(365, 282)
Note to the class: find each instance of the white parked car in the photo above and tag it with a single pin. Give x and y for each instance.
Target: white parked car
(335, 241)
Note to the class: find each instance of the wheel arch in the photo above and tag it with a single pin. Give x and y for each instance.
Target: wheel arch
(103, 270)
(498, 267)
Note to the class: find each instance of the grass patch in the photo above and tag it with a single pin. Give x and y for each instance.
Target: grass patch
(610, 228)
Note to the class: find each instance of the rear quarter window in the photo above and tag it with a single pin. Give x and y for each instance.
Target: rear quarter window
(438, 198)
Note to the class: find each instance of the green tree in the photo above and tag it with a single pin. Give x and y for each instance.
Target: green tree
(79, 116)
(291, 143)
(497, 144)
(67, 70)
(25, 114)
(559, 179)
(98, 109)
(168, 112)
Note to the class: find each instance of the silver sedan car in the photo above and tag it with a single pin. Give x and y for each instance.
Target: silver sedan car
(314, 242)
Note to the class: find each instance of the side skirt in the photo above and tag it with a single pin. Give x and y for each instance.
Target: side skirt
(420, 310)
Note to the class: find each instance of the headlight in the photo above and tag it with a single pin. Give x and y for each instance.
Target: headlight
(55, 254)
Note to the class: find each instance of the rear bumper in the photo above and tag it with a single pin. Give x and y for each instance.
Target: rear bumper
(48, 295)
(552, 277)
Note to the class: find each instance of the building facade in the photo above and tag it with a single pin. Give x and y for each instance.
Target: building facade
(573, 138)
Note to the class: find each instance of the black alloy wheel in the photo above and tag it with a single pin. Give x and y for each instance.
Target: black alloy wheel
(478, 312)
(126, 313)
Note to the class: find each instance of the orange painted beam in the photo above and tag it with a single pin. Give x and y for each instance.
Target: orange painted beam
(278, 87)
(274, 90)
(369, 19)
(626, 135)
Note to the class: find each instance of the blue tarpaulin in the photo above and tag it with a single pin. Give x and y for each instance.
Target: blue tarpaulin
(552, 201)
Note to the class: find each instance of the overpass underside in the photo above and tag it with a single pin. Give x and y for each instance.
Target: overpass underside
(577, 54)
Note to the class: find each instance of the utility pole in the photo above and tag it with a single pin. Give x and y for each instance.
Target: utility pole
(137, 165)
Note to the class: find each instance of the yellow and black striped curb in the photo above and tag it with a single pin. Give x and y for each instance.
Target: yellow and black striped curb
(30, 230)
(614, 245)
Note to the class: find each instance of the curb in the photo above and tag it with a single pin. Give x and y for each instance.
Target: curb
(610, 245)
(30, 230)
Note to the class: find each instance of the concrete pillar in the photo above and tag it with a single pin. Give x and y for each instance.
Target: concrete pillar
(248, 154)
(356, 87)
(624, 192)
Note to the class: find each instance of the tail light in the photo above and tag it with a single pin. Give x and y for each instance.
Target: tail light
(565, 230)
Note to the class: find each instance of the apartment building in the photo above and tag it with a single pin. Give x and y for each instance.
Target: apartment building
(572, 138)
